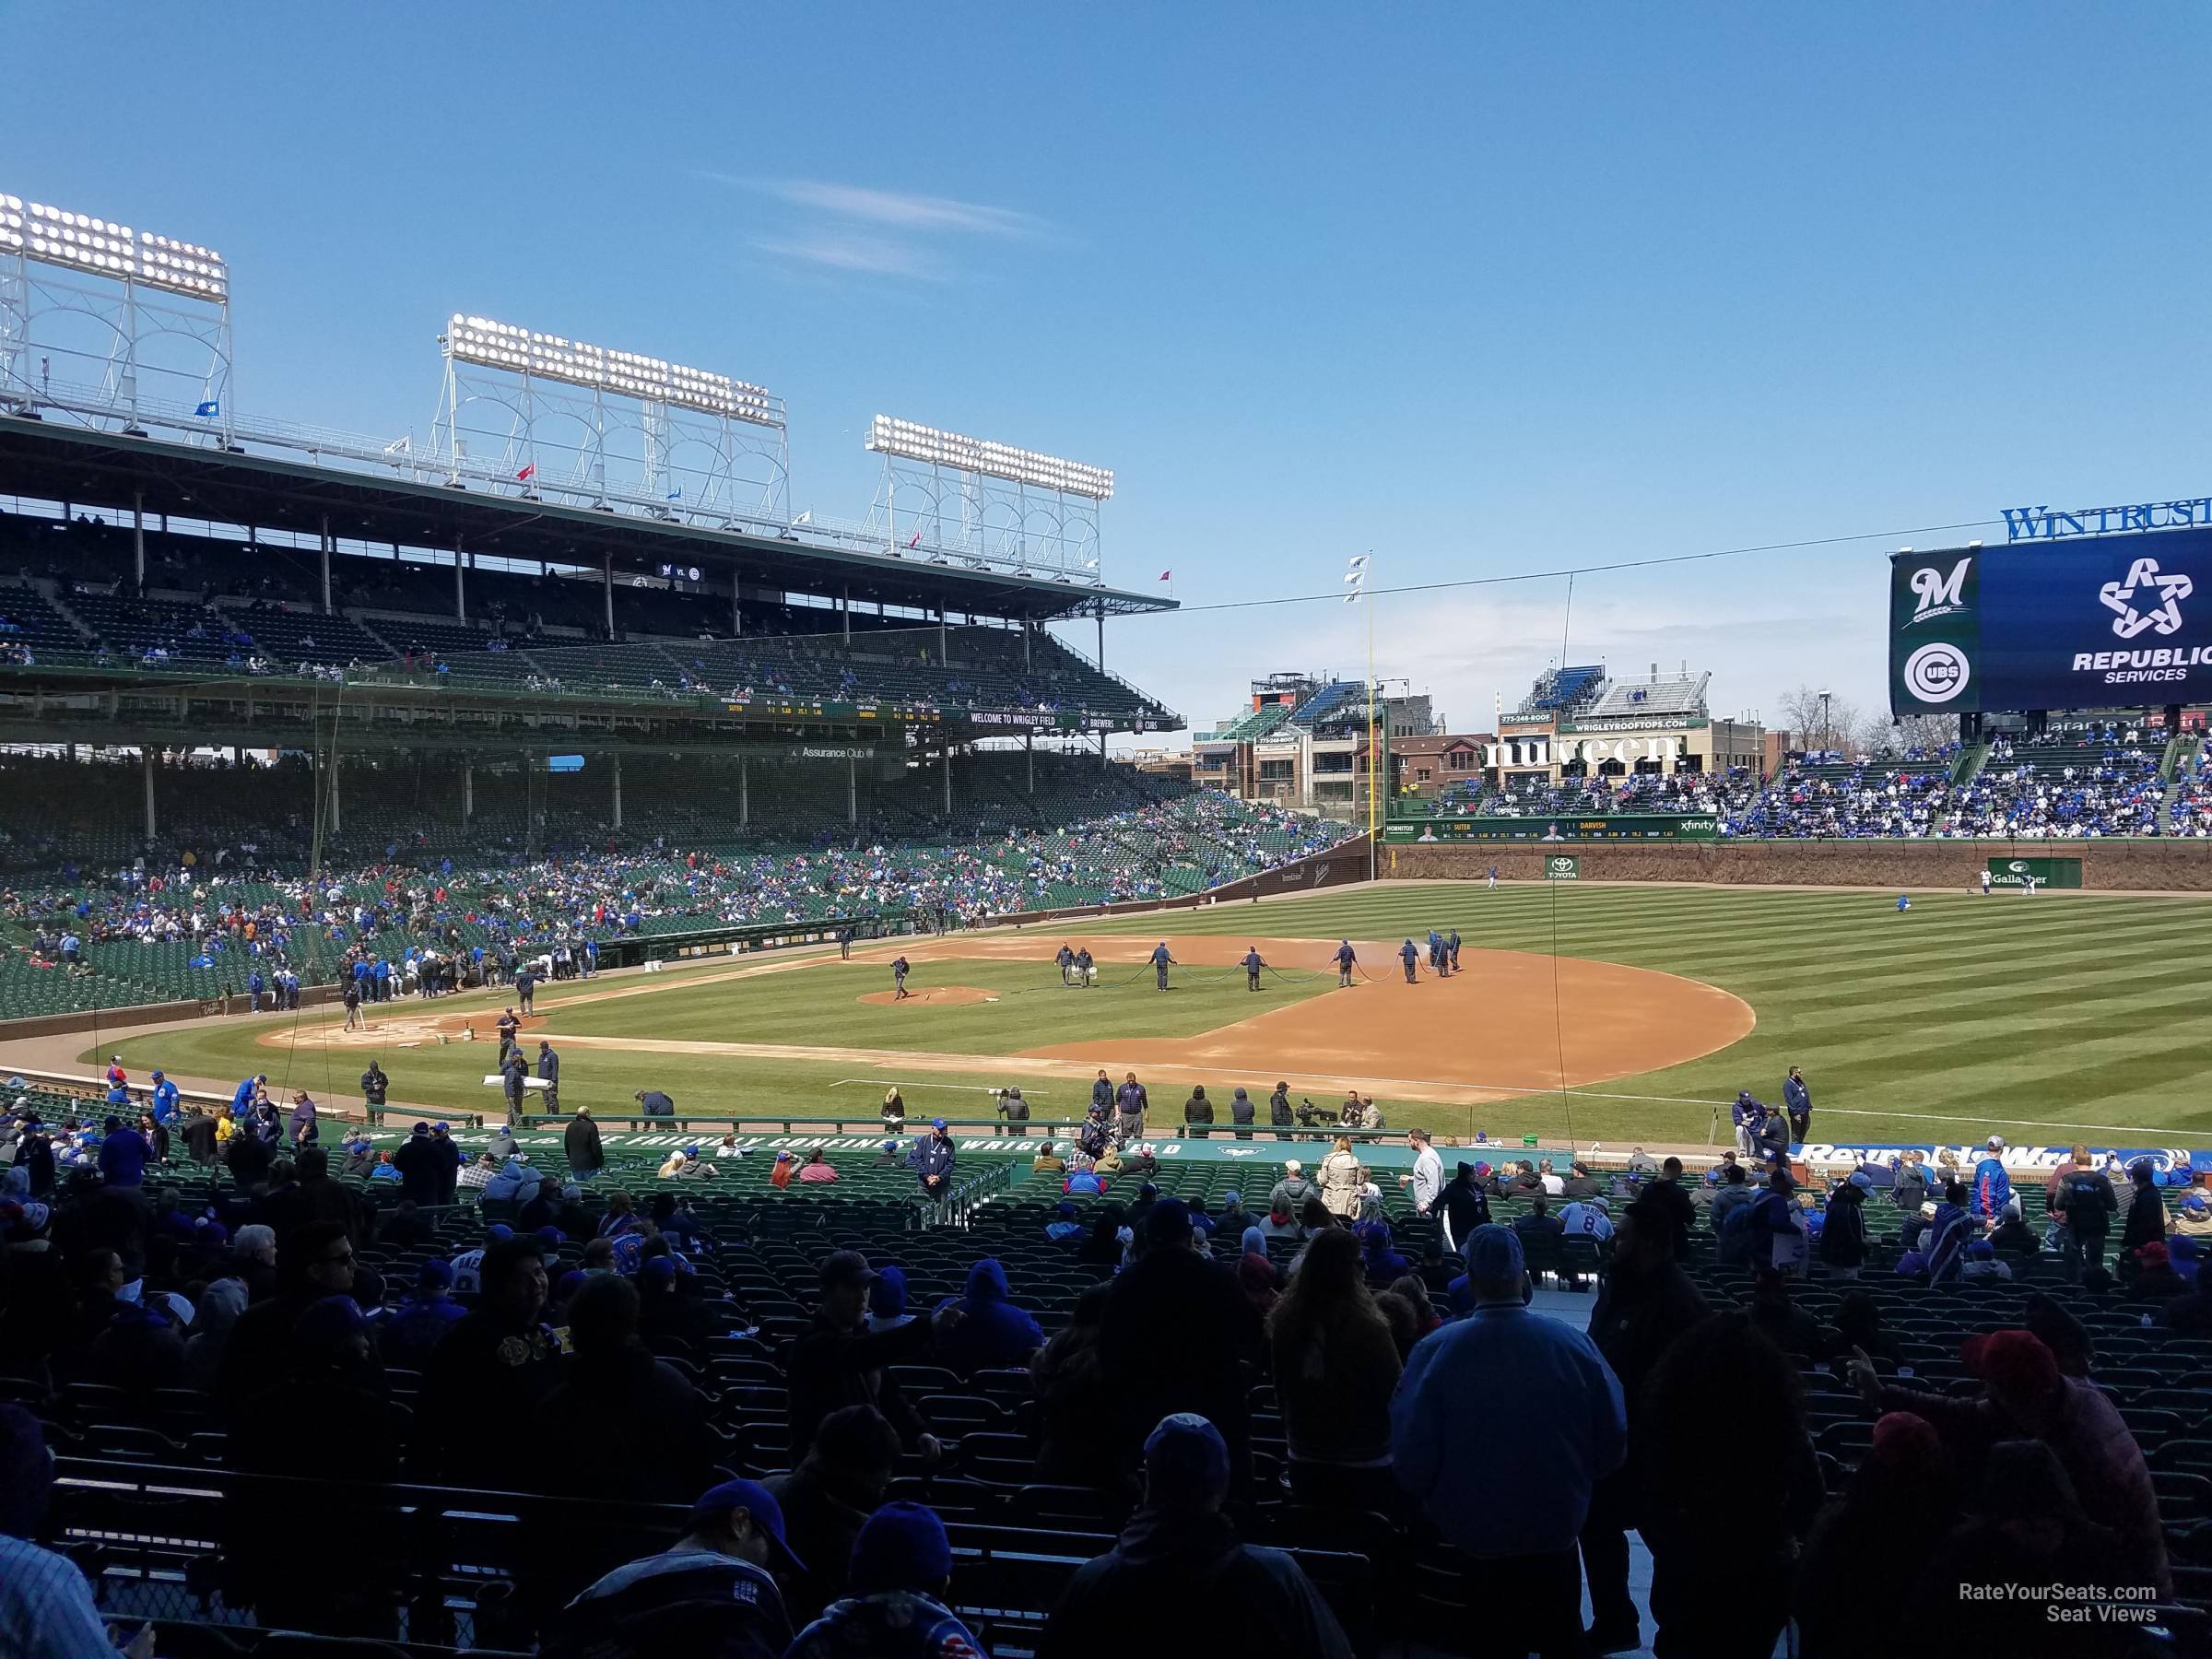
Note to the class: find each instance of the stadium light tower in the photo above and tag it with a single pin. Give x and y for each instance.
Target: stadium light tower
(111, 326)
(945, 496)
(549, 415)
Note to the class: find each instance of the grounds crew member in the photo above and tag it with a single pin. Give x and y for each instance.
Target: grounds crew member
(1345, 960)
(1410, 957)
(1798, 1100)
(652, 1102)
(1065, 960)
(934, 1161)
(1252, 965)
(1161, 962)
(1086, 971)
(549, 1072)
(375, 1085)
(899, 969)
(514, 1070)
(1129, 1109)
(1451, 948)
(509, 1026)
(526, 991)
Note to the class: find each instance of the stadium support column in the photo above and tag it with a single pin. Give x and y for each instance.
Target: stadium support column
(138, 538)
(745, 792)
(330, 765)
(617, 760)
(607, 572)
(948, 774)
(852, 792)
(944, 640)
(736, 612)
(844, 611)
(460, 594)
(145, 758)
(468, 792)
(1029, 753)
(324, 545)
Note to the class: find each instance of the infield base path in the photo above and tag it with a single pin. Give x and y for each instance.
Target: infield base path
(1508, 1022)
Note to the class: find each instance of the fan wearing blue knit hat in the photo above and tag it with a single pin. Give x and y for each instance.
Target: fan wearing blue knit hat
(715, 1591)
(895, 1609)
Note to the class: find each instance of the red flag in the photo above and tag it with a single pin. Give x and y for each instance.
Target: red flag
(1167, 575)
(528, 473)
(914, 540)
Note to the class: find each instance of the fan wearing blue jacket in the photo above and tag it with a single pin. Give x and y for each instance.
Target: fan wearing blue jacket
(1993, 1186)
(993, 1332)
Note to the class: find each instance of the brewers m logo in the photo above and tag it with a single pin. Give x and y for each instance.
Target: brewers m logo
(1936, 595)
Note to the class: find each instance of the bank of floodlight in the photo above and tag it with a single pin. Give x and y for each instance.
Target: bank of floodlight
(494, 345)
(82, 242)
(913, 442)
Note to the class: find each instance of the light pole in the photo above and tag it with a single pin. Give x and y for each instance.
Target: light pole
(1828, 732)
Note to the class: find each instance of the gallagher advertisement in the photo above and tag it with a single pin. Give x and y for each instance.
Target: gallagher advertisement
(2097, 622)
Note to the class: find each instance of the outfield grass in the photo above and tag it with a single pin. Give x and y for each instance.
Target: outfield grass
(2058, 1018)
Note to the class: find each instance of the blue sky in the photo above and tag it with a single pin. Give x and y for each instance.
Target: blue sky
(1483, 289)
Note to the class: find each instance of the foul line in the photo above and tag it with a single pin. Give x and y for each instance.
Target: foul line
(1034, 1094)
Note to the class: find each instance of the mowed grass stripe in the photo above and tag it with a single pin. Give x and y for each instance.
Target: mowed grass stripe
(2052, 1010)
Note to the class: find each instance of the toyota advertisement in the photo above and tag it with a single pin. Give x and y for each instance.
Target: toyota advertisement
(2099, 622)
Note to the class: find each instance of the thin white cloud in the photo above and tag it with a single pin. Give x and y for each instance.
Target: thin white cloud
(865, 255)
(865, 231)
(905, 209)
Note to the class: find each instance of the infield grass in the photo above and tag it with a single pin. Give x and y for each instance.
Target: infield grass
(2054, 1018)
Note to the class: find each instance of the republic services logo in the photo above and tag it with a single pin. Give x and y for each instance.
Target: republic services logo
(2145, 578)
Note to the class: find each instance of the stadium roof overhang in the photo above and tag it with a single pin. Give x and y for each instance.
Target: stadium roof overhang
(52, 460)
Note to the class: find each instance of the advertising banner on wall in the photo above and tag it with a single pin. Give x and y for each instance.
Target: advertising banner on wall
(1611, 825)
(1563, 867)
(2093, 622)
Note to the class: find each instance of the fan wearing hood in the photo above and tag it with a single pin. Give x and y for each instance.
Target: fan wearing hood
(993, 1332)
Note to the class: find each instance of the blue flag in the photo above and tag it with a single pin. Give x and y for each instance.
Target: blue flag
(209, 410)
(676, 494)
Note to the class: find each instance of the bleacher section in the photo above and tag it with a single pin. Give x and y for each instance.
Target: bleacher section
(226, 607)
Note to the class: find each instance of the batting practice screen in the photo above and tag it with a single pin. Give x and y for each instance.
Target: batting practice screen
(2100, 622)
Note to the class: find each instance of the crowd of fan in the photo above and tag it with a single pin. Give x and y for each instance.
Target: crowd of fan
(243, 907)
(1417, 1388)
(1907, 794)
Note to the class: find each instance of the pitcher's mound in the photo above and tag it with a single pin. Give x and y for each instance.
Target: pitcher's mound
(933, 993)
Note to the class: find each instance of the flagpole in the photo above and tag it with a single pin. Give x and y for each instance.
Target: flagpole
(1373, 834)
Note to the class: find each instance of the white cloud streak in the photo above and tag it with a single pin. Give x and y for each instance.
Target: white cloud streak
(861, 230)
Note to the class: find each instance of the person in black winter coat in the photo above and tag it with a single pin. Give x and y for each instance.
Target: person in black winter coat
(580, 1141)
(2145, 1210)
(1175, 1335)
(1843, 1234)
(1465, 1206)
(417, 1162)
(1644, 1302)
(1279, 1108)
